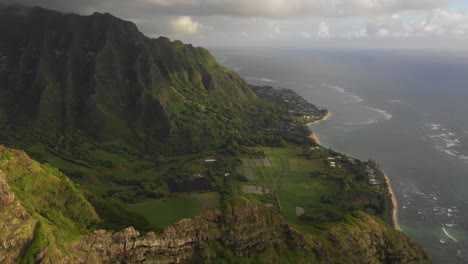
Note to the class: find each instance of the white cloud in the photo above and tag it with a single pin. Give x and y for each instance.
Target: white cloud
(440, 24)
(185, 25)
(323, 31)
(305, 35)
(277, 30)
(258, 21)
(253, 8)
(445, 23)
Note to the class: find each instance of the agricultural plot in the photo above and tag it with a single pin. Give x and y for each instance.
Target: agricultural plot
(250, 167)
(164, 212)
(292, 189)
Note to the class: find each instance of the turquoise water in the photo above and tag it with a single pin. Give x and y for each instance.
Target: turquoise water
(407, 110)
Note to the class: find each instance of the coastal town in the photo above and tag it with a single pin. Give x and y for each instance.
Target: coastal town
(296, 105)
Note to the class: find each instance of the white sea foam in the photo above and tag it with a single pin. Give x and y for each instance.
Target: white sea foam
(449, 235)
(356, 99)
(446, 142)
(339, 89)
(383, 112)
(235, 68)
(370, 121)
(434, 126)
(261, 79)
(396, 101)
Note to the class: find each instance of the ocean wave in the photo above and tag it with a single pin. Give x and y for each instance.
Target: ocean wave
(385, 113)
(433, 126)
(260, 79)
(396, 101)
(221, 59)
(448, 234)
(234, 68)
(446, 142)
(356, 99)
(370, 121)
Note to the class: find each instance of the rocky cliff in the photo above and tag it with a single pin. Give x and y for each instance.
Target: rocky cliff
(244, 227)
(45, 219)
(98, 76)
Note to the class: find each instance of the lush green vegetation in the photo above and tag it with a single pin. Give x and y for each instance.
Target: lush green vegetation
(152, 131)
(308, 191)
(163, 212)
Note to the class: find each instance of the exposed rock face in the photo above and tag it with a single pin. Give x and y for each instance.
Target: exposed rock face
(16, 225)
(99, 75)
(245, 228)
(365, 239)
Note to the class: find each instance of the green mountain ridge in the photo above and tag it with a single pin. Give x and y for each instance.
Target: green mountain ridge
(45, 219)
(122, 116)
(99, 76)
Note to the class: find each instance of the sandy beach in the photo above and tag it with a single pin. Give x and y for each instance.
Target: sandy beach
(394, 204)
(313, 135)
(315, 138)
(394, 201)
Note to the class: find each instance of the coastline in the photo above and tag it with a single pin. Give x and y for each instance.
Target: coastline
(393, 206)
(394, 203)
(313, 135)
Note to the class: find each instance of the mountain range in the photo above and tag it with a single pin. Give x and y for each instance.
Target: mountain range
(127, 120)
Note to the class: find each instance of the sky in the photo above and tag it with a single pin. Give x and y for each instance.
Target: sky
(296, 23)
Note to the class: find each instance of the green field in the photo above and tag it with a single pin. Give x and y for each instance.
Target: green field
(163, 212)
(293, 183)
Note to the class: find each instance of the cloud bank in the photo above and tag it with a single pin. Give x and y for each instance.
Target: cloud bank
(283, 21)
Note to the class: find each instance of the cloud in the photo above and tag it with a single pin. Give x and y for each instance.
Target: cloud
(323, 31)
(445, 23)
(440, 23)
(277, 30)
(204, 22)
(305, 35)
(360, 7)
(240, 8)
(184, 25)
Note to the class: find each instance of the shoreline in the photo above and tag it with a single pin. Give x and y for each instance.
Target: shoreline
(393, 208)
(394, 203)
(313, 135)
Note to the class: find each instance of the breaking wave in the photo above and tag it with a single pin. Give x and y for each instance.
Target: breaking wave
(445, 141)
(355, 99)
(383, 112)
(260, 79)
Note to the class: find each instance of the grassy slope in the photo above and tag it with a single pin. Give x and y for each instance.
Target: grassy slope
(337, 233)
(61, 215)
(163, 212)
(60, 212)
(292, 184)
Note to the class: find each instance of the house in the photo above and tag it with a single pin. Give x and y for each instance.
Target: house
(374, 182)
(210, 160)
(333, 164)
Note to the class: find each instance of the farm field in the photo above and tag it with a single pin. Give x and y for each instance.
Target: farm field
(163, 212)
(293, 187)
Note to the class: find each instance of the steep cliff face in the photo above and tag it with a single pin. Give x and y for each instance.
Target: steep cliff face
(62, 73)
(361, 238)
(40, 210)
(16, 225)
(45, 219)
(245, 227)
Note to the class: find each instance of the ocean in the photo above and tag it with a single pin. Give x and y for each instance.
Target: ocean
(408, 110)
